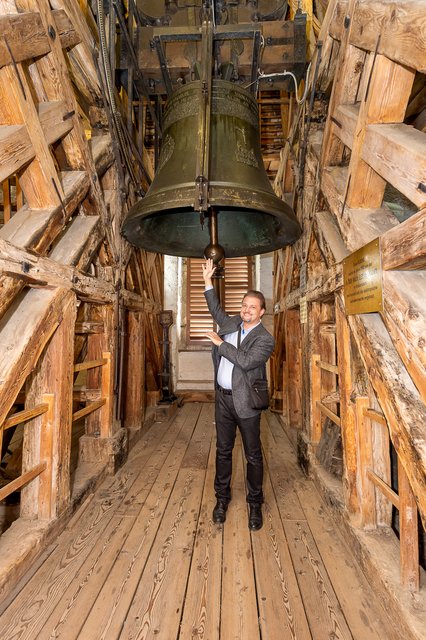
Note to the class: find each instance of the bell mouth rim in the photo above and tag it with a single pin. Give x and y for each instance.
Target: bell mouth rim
(236, 198)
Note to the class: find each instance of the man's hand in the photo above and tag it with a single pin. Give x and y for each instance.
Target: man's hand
(214, 338)
(208, 270)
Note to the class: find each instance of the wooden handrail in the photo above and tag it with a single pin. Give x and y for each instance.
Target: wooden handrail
(24, 416)
(90, 408)
(90, 364)
(374, 415)
(384, 488)
(335, 418)
(326, 366)
(22, 480)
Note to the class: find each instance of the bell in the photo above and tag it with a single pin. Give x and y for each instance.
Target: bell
(231, 189)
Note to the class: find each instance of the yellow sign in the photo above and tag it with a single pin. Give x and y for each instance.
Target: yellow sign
(362, 280)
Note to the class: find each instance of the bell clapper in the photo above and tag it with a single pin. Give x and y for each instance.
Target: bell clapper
(214, 250)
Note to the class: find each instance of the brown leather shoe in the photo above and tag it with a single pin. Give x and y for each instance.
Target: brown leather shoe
(255, 520)
(219, 512)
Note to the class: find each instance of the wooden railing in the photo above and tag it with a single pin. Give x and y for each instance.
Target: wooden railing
(404, 500)
(318, 406)
(44, 468)
(11, 203)
(105, 399)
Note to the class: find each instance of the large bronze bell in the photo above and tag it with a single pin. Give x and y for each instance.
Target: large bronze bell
(235, 196)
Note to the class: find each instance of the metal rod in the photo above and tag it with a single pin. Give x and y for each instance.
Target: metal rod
(204, 119)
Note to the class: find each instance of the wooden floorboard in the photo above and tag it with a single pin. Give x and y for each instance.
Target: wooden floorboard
(143, 559)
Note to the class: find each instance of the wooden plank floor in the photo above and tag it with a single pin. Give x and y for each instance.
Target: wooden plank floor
(143, 559)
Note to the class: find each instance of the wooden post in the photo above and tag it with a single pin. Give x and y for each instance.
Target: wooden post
(107, 394)
(316, 427)
(101, 423)
(135, 379)
(347, 412)
(365, 450)
(45, 504)
(53, 376)
(294, 373)
(408, 533)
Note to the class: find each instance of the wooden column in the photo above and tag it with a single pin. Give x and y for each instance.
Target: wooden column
(408, 533)
(366, 462)
(101, 423)
(294, 368)
(49, 496)
(134, 391)
(387, 93)
(347, 412)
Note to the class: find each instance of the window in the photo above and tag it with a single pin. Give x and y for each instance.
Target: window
(236, 282)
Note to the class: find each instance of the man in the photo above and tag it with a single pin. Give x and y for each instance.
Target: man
(242, 344)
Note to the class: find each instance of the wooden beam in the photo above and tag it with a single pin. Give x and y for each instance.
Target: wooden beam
(404, 246)
(397, 152)
(347, 411)
(365, 450)
(26, 37)
(30, 324)
(16, 148)
(134, 381)
(409, 533)
(21, 264)
(51, 381)
(357, 226)
(386, 97)
(399, 399)
(400, 26)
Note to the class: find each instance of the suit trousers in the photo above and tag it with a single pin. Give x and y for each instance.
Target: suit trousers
(227, 421)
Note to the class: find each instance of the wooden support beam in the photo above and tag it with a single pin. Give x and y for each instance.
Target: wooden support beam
(366, 462)
(37, 228)
(26, 37)
(397, 153)
(399, 399)
(21, 481)
(45, 272)
(134, 381)
(357, 226)
(316, 422)
(332, 368)
(49, 438)
(22, 416)
(23, 335)
(73, 242)
(45, 497)
(330, 414)
(347, 411)
(384, 487)
(90, 408)
(386, 97)
(404, 246)
(409, 534)
(400, 26)
(90, 364)
(404, 315)
(293, 368)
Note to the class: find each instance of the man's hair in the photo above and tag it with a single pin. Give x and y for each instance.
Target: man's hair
(256, 294)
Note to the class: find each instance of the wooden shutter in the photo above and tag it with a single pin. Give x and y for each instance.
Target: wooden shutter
(237, 281)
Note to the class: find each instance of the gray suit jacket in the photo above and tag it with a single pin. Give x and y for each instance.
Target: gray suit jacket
(251, 357)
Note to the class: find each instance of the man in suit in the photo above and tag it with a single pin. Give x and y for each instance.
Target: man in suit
(241, 344)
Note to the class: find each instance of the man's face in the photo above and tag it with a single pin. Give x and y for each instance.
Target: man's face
(251, 310)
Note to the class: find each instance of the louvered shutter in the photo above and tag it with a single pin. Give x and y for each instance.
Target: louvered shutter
(237, 281)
